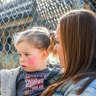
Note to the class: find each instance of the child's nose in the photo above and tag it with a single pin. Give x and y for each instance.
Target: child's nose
(22, 59)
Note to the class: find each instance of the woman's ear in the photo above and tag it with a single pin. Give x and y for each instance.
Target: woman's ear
(45, 54)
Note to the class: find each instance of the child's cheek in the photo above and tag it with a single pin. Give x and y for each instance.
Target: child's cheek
(31, 61)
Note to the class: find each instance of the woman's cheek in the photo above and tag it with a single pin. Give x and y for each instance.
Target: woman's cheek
(31, 61)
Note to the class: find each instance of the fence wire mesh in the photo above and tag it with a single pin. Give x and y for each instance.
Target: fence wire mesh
(17, 15)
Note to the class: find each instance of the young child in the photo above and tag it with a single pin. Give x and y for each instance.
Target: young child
(33, 47)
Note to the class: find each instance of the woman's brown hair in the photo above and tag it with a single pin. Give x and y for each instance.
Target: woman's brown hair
(78, 38)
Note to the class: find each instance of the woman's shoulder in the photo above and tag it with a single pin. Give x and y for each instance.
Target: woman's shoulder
(93, 84)
(89, 91)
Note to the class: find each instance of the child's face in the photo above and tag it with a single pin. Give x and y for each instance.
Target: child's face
(31, 59)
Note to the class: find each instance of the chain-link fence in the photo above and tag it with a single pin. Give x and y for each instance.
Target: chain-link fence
(17, 15)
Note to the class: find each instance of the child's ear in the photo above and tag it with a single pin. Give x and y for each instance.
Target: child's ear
(45, 54)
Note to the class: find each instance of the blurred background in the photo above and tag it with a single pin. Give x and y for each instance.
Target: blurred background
(17, 15)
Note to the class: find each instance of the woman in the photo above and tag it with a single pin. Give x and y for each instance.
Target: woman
(76, 46)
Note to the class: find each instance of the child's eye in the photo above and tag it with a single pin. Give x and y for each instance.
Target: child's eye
(19, 54)
(26, 54)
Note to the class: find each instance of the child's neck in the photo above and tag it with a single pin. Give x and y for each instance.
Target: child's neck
(43, 66)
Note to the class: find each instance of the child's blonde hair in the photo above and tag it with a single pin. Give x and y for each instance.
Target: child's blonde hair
(40, 37)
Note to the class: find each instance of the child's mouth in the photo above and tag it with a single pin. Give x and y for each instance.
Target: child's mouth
(23, 66)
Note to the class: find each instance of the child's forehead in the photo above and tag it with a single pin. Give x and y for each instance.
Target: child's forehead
(24, 45)
(27, 50)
